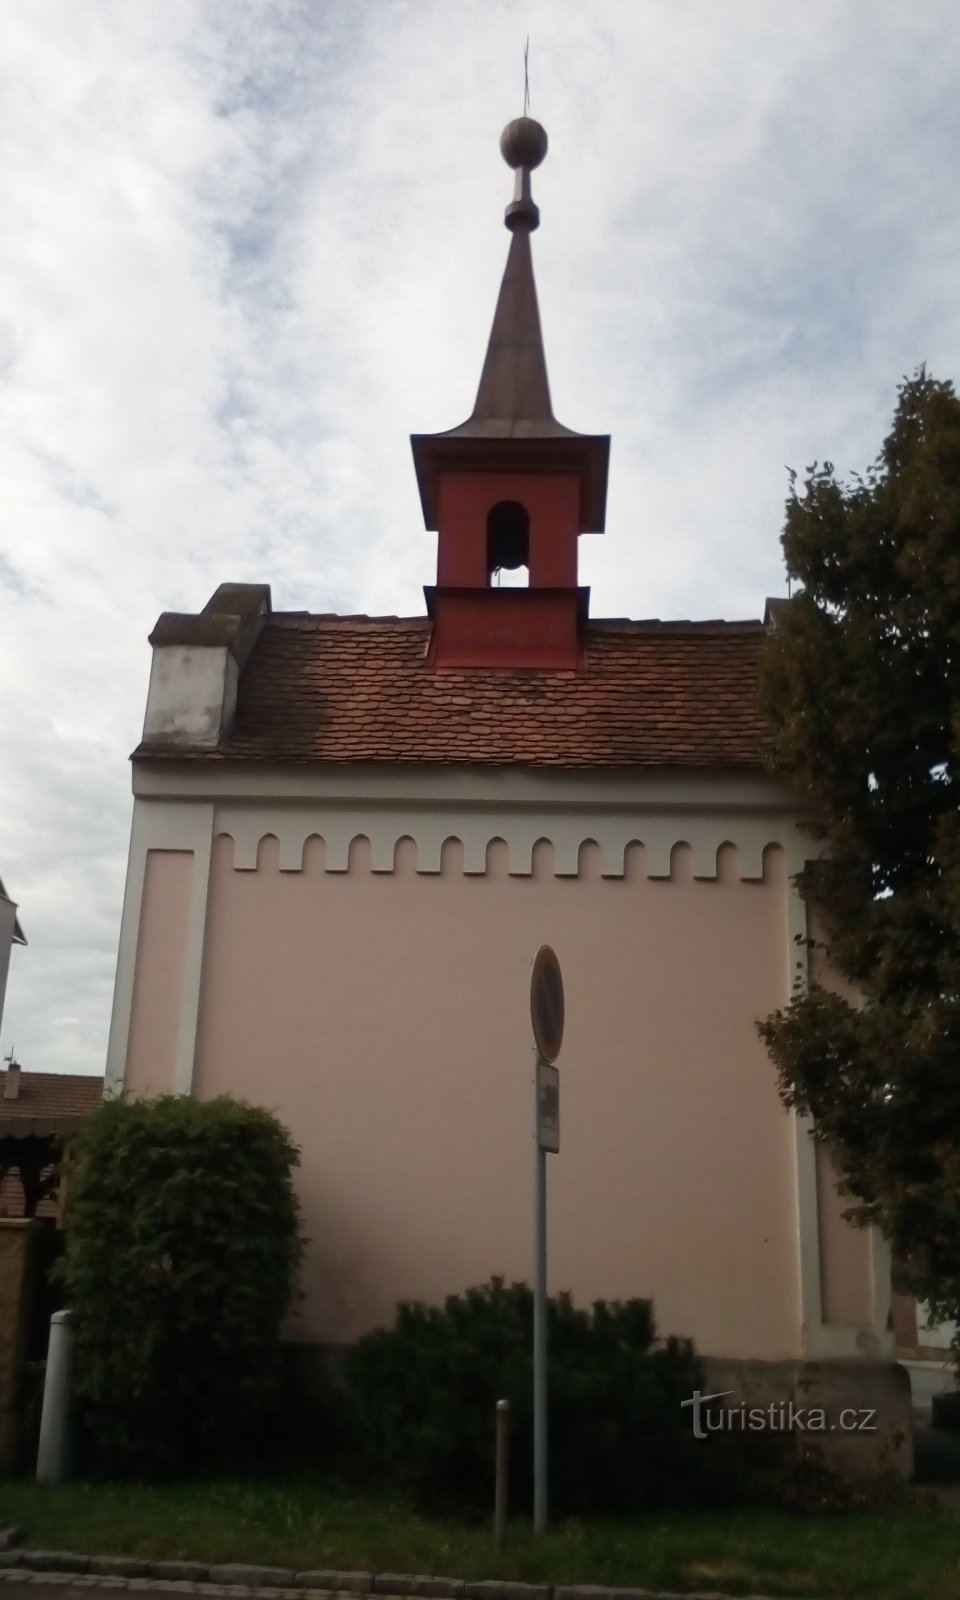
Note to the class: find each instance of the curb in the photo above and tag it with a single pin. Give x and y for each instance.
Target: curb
(123, 1571)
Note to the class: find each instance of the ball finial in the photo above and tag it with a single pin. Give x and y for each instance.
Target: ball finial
(523, 143)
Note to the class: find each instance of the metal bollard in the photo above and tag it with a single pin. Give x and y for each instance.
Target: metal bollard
(502, 1473)
(53, 1456)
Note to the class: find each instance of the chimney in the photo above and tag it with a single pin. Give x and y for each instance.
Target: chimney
(11, 1081)
(196, 666)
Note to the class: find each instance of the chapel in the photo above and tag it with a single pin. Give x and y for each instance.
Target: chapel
(352, 834)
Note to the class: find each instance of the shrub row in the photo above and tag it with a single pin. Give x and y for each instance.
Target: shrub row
(422, 1398)
(183, 1244)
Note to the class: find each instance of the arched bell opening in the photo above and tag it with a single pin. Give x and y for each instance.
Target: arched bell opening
(508, 544)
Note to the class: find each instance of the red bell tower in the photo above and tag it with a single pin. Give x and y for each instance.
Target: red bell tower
(511, 487)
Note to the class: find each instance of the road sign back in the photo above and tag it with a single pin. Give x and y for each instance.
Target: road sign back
(546, 1003)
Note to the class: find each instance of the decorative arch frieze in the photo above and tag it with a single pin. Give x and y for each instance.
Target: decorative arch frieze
(605, 846)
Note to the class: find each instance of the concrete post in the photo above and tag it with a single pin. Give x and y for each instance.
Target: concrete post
(53, 1456)
(501, 1489)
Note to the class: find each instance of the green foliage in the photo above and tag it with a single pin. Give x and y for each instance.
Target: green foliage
(862, 687)
(425, 1393)
(182, 1248)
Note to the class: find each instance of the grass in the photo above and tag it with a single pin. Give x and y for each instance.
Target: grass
(909, 1554)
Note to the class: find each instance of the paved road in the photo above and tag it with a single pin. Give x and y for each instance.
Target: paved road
(928, 1378)
(41, 1587)
(18, 1584)
(28, 1589)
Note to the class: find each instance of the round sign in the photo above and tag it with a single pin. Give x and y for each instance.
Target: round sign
(546, 1003)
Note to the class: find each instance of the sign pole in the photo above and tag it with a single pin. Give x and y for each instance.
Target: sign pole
(539, 1317)
(546, 1016)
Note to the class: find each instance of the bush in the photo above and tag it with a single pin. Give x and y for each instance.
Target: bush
(182, 1249)
(424, 1395)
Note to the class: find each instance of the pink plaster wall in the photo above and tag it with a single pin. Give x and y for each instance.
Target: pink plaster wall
(158, 984)
(384, 1017)
(846, 1276)
(846, 1284)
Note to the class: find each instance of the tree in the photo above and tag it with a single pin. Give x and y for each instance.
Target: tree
(182, 1249)
(861, 684)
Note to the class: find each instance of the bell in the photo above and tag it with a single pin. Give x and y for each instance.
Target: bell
(508, 536)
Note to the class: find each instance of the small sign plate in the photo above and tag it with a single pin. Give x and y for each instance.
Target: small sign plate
(548, 1107)
(546, 1003)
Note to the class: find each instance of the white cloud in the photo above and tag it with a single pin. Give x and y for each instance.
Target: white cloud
(250, 245)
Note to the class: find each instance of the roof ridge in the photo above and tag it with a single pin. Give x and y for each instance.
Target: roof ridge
(338, 617)
(50, 1077)
(676, 624)
(594, 624)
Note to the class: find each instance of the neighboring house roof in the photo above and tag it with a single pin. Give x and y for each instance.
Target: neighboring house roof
(47, 1102)
(350, 689)
(18, 933)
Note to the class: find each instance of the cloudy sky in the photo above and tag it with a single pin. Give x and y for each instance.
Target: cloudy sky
(248, 246)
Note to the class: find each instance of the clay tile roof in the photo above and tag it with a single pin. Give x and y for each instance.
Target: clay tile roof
(344, 689)
(48, 1102)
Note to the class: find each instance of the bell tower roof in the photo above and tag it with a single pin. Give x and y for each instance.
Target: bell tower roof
(512, 424)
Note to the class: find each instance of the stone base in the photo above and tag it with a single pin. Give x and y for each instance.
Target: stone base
(856, 1415)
